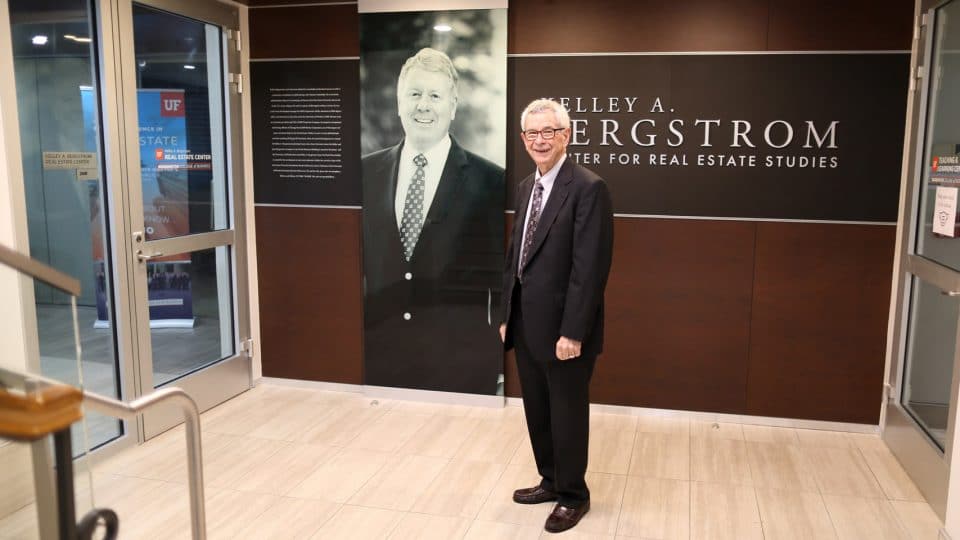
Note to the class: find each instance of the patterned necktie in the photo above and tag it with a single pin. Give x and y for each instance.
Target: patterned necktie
(531, 225)
(412, 222)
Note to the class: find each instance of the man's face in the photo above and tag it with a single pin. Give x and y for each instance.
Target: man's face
(545, 152)
(426, 105)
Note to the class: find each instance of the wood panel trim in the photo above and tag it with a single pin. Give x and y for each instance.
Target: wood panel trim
(305, 32)
(819, 324)
(323, 30)
(311, 310)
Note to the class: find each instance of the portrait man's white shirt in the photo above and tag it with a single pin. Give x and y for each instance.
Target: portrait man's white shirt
(547, 181)
(436, 160)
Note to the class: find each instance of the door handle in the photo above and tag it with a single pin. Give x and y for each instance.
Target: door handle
(142, 257)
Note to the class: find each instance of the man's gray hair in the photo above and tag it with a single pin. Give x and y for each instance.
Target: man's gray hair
(544, 105)
(429, 59)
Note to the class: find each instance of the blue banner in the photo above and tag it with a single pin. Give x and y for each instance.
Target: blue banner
(164, 164)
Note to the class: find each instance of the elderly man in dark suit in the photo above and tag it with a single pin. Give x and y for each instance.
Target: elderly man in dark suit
(432, 245)
(556, 271)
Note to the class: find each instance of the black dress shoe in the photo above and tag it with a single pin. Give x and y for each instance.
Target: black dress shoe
(565, 517)
(534, 495)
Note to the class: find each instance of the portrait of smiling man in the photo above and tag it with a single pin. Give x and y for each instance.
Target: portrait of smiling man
(432, 239)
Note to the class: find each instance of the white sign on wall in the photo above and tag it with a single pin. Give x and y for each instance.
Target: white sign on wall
(945, 211)
(69, 160)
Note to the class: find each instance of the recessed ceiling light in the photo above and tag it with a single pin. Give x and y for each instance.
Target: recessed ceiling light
(39, 40)
(188, 66)
(443, 28)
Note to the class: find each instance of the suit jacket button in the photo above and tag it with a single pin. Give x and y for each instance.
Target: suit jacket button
(406, 316)
(408, 276)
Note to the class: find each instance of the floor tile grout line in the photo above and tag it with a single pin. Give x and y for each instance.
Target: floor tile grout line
(413, 436)
(823, 500)
(517, 450)
(753, 485)
(877, 478)
(264, 511)
(364, 425)
(886, 497)
(465, 531)
(493, 486)
(816, 477)
(395, 525)
(833, 523)
(626, 476)
(910, 532)
(254, 465)
(381, 410)
(459, 446)
(401, 458)
(308, 474)
(899, 519)
(623, 494)
(873, 473)
(432, 480)
(361, 486)
(329, 520)
(633, 449)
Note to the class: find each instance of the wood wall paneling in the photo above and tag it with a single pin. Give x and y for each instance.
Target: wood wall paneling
(828, 25)
(551, 26)
(309, 268)
(820, 302)
(276, 3)
(564, 26)
(677, 315)
(545, 26)
(305, 32)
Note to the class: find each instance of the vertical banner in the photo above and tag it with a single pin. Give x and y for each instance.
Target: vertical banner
(433, 144)
(165, 160)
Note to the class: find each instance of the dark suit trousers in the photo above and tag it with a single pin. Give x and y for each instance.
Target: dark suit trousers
(556, 402)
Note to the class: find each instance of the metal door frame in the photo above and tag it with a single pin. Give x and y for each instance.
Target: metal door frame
(120, 166)
(927, 465)
(218, 382)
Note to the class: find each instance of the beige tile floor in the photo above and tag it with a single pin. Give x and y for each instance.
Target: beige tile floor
(285, 462)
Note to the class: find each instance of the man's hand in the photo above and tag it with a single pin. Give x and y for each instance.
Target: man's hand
(567, 348)
(503, 333)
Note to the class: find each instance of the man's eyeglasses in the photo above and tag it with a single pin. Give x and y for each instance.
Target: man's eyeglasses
(546, 133)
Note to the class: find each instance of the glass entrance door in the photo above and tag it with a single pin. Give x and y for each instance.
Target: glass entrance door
(58, 96)
(923, 382)
(186, 234)
(130, 137)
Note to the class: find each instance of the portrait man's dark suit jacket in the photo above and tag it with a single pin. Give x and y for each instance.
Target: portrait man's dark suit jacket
(565, 276)
(449, 287)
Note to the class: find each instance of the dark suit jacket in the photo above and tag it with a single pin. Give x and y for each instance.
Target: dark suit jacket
(567, 269)
(450, 341)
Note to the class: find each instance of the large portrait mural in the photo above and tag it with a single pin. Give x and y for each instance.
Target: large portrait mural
(433, 144)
